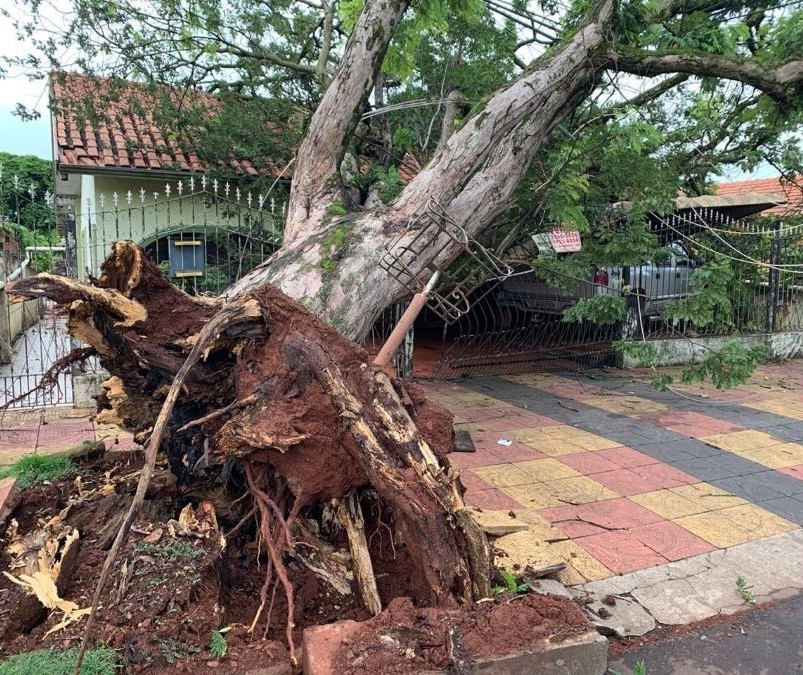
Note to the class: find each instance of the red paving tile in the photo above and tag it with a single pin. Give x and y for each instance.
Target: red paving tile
(518, 452)
(626, 457)
(606, 515)
(620, 552)
(639, 479)
(588, 463)
(694, 424)
(486, 415)
(56, 433)
(671, 541)
(492, 499)
(471, 481)
(481, 457)
(794, 471)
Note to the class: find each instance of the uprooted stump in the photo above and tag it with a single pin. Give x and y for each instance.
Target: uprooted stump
(291, 410)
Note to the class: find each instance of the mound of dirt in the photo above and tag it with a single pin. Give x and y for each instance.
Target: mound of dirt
(406, 639)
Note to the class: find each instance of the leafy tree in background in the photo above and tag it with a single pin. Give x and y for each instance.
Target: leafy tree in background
(24, 185)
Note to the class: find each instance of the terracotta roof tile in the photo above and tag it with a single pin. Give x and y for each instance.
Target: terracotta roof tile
(792, 190)
(125, 137)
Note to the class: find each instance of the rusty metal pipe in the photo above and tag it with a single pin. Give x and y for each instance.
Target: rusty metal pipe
(406, 321)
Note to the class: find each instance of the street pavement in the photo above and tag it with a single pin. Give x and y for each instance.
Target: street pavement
(764, 642)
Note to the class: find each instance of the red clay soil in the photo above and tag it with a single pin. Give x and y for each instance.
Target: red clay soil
(405, 639)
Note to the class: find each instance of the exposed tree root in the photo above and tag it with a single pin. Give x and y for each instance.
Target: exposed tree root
(227, 316)
(264, 389)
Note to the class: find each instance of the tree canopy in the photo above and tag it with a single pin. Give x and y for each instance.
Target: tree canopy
(526, 112)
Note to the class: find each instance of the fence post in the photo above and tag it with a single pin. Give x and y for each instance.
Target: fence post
(774, 288)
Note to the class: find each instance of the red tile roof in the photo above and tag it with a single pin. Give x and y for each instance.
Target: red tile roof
(123, 134)
(791, 190)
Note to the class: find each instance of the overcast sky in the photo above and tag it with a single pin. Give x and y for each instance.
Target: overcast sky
(16, 136)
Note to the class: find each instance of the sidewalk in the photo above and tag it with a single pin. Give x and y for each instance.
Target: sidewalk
(615, 478)
(54, 429)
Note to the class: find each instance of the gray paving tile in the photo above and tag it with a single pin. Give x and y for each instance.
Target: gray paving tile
(752, 488)
(781, 482)
(714, 468)
(785, 507)
(663, 452)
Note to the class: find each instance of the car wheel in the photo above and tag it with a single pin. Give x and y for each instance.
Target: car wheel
(631, 322)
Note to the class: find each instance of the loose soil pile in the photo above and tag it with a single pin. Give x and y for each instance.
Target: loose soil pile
(171, 589)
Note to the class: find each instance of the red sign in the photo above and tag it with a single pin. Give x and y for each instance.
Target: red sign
(565, 242)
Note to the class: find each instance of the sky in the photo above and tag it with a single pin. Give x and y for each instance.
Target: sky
(16, 136)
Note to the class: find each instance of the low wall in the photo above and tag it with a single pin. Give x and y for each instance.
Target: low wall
(684, 351)
(15, 319)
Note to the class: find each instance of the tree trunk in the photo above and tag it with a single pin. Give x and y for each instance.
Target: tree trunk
(473, 177)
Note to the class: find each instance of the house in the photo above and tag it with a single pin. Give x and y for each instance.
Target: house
(120, 174)
(789, 191)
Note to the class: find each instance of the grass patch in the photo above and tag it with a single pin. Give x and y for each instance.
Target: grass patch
(33, 470)
(98, 661)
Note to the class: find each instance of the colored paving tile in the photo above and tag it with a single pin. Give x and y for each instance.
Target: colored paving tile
(637, 480)
(741, 441)
(580, 566)
(734, 525)
(625, 405)
(692, 482)
(784, 407)
(620, 552)
(691, 423)
(794, 471)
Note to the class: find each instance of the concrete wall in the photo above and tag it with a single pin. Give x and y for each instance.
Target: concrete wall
(15, 319)
(684, 351)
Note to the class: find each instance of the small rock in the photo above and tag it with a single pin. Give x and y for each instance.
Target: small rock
(609, 600)
(625, 617)
(409, 653)
(551, 587)
(212, 664)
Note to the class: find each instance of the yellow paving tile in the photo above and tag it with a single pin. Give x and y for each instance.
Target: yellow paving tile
(524, 549)
(532, 495)
(471, 427)
(708, 497)
(532, 380)
(590, 441)
(503, 475)
(716, 528)
(667, 504)
(779, 407)
(759, 522)
(625, 405)
(555, 447)
(776, 456)
(735, 525)
(539, 525)
(580, 562)
(546, 470)
(579, 490)
(738, 441)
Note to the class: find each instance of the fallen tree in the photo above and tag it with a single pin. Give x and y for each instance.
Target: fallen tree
(297, 408)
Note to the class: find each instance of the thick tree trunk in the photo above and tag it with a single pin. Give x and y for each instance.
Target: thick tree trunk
(473, 177)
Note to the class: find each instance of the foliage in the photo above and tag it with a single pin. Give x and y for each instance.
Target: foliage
(32, 470)
(600, 309)
(217, 643)
(97, 661)
(24, 181)
(745, 591)
(728, 366)
(710, 300)
(510, 584)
